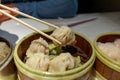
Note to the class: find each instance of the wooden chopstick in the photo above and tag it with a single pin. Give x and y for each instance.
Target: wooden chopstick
(28, 16)
(31, 27)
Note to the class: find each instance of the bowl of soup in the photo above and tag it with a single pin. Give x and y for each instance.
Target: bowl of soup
(71, 61)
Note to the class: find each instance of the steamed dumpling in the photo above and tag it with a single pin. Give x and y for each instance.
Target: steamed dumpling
(117, 42)
(38, 46)
(64, 34)
(38, 61)
(110, 50)
(63, 62)
(4, 50)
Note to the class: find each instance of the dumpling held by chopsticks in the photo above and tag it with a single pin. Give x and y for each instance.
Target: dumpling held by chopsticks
(64, 34)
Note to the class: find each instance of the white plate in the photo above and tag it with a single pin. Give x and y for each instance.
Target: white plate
(14, 31)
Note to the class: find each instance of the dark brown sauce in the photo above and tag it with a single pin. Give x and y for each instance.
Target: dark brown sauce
(76, 51)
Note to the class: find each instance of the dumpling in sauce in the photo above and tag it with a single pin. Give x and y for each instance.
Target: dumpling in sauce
(64, 34)
(63, 62)
(38, 46)
(38, 61)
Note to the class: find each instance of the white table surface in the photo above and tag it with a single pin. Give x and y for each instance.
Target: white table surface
(105, 22)
(14, 31)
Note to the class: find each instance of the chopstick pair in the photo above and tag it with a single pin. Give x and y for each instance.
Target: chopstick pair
(28, 16)
(27, 25)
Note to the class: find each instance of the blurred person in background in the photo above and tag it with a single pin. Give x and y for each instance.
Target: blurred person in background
(45, 8)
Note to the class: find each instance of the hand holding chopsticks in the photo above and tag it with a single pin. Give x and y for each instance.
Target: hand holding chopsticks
(27, 25)
(28, 16)
(4, 17)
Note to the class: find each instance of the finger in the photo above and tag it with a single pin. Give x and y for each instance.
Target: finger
(4, 17)
(1, 14)
(13, 13)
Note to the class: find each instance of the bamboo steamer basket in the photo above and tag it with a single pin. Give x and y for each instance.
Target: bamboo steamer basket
(106, 68)
(27, 73)
(8, 69)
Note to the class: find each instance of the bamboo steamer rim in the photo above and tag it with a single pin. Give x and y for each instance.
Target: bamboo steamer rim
(17, 60)
(98, 75)
(87, 69)
(103, 57)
